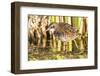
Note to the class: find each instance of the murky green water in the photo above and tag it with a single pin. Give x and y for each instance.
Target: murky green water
(49, 53)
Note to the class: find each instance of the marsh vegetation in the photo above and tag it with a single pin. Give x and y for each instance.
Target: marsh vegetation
(43, 45)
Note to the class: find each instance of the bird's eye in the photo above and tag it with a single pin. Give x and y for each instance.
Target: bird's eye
(52, 27)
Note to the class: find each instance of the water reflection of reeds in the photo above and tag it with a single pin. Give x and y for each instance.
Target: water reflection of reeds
(50, 53)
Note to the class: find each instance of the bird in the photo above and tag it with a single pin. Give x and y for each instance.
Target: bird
(63, 31)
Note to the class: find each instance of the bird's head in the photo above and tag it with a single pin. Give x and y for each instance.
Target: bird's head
(52, 27)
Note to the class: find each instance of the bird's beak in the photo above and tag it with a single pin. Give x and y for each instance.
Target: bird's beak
(47, 29)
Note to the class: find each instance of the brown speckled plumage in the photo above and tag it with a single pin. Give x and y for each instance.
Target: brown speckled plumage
(63, 31)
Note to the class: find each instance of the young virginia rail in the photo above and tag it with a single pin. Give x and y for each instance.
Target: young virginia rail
(63, 31)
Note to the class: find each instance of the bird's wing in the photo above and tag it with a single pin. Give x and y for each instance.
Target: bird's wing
(69, 28)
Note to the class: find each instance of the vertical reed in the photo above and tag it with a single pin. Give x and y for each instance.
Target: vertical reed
(75, 22)
(70, 42)
(54, 39)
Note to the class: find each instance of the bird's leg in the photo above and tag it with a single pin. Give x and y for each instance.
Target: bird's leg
(76, 44)
(54, 41)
